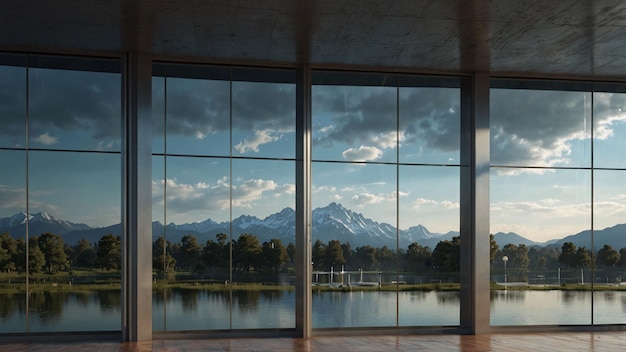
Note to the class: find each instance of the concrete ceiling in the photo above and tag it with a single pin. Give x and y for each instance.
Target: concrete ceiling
(584, 38)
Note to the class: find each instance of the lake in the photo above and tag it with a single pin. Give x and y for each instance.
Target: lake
(183, 309)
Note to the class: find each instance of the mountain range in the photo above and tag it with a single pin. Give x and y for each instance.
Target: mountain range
(332, 222)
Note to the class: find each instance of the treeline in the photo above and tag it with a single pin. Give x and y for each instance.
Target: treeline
(48, 253)
(569, 256)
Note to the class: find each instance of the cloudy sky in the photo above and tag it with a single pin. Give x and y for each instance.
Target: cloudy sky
(539, 142)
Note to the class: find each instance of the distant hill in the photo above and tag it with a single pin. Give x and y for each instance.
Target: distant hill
(614, 236)
(502, 238)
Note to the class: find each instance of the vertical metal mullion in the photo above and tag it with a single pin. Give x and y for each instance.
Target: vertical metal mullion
(397, 202)
(230, 197)
(303, 202)
(593, 256)
(27, 246)
(165, 199)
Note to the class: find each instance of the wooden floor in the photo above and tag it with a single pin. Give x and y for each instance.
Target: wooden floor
(545, 342)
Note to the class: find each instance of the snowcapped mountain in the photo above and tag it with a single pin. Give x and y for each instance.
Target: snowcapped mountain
(38, 223)
(332, 222)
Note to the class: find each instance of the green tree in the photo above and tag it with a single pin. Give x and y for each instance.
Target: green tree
(291, 252)
(36, 259)
(568, 255)
(246, 253)
(493, 248)
(622, 258)
(83, 254)
(417, 258)
(319, 255)
(607, 257)
(109, 253)
(582, 258)
(365, 257)
(51, 245)
(215, 254)
(162, 260)
(274, 255)
(518, 256)
(536, 259)
(386, 259)
(446, 255)
(189, 254)
(8, 250)
(334, 254)
(346, 248)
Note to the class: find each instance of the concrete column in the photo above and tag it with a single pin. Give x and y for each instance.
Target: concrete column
(137, 199)
(475, 294)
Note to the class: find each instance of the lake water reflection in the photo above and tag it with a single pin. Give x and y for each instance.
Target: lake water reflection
(198, 309)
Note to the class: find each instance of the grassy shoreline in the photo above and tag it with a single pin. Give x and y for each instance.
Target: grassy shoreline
(17, 288)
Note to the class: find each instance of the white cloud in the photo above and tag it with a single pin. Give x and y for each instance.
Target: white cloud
(388, 139)
(196, 201)
(46, 139)
(368, 198)
(422, 203)
(450, 205)
(362, 153)
(252, 143)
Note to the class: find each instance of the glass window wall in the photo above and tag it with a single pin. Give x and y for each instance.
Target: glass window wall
(385, 200)
(60, 250)
(556, 209)
(224, 185)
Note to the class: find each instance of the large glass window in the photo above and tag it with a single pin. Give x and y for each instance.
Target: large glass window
(385, 200)
(609, 203)
(60, 244)
(556, 208)
(223, 198)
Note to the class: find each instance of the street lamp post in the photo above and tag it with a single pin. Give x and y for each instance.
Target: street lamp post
(505, 259)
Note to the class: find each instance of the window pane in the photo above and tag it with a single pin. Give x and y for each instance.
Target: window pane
(610, 246)
(354, 123)
(74, 239)
(533, 214)
(12, 242)
(354, 245)
(13, 106)
(263, 228)
(264, 119)
(540, 128)
(160, 266)
(158, 115)
(609, 114)
(198, 116)
(192, 257)
(430, 125)
(74, 110)
(429, 237)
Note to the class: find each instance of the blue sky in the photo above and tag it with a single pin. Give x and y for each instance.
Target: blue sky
(351, 125)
